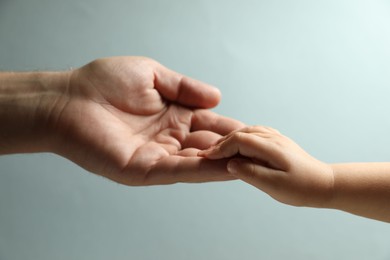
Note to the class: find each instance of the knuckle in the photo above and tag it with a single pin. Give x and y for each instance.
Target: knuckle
(277, 142)
(237, 137)
(251, 171)
(272, 129)
(262, 129)
(257, 128)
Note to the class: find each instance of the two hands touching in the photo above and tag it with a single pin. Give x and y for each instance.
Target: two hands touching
(129, 119)
(268, 160)
(136, 122)
(273, 163)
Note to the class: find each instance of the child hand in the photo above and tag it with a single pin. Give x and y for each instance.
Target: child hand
(273, 163)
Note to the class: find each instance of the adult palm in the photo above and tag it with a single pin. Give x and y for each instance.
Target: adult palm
(138, 123)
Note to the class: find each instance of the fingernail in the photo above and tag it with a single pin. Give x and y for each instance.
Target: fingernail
(232, 166)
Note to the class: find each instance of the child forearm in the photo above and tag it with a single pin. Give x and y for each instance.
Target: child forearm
(276, 165)
(362, 189)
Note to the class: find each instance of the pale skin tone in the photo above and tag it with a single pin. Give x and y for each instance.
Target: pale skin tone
(136, 122)
(129, 119)
(268, 160)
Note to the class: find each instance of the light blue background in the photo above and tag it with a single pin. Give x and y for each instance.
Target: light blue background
(319, 71)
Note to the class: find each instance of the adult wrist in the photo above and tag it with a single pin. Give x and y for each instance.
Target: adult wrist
(27, 103)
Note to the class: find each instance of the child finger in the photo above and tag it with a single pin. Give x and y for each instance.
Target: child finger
(259, 130)
(248, 145)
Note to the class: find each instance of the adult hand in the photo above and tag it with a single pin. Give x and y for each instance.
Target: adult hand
(136, 122)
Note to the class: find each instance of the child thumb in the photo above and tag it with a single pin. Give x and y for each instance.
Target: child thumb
(250, 172)
(241, 168)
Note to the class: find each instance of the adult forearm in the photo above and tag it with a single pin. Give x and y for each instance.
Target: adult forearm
(26, 103)
(363, 189)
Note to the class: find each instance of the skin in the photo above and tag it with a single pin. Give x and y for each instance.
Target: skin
(129, 119)
(270, 161)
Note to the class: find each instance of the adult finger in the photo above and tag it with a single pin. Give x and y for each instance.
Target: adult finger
(174, 169)
(184, 90)
(200, 140)
(203, 119)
